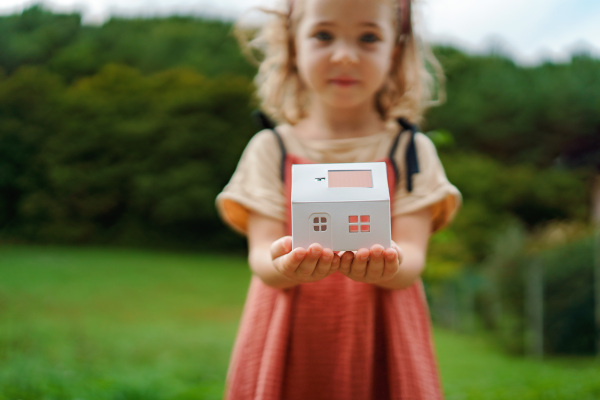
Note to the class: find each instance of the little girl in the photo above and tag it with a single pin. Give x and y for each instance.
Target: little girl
(341, 77)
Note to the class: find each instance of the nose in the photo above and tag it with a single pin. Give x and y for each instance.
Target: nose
(344, 53)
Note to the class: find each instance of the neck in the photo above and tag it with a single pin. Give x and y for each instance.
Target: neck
(325, 122)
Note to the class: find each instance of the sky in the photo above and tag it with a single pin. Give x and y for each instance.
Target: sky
(529, 31)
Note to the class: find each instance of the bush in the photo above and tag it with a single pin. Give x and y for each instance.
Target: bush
(567, 279)
(124, 158)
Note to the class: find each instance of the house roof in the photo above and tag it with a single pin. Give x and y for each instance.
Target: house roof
(339, 182)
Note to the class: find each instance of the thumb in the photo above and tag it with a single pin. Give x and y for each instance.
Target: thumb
(281, 247)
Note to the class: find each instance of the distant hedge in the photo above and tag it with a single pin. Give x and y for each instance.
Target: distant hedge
(119, 157)
(566, 280)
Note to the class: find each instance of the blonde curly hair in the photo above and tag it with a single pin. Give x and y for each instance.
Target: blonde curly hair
(415, 75)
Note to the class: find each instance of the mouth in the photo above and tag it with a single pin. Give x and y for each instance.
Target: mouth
(344, 81)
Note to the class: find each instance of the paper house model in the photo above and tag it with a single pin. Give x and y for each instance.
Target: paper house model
(340, 206)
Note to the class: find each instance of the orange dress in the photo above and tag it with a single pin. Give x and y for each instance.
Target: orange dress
(335, 339)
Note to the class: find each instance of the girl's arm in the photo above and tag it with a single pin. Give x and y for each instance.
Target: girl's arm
(271, 257)
(399, 266)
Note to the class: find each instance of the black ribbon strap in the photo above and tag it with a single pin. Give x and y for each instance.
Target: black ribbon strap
(411, 160)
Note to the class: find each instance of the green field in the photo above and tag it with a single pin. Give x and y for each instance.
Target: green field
(126, 325)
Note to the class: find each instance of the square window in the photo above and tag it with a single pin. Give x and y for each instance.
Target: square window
(353, 228)
(319, 222)
(353, 219)
(365, 228)
(365, 218)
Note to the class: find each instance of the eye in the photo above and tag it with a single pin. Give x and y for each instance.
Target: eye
(369, 38)
(323, 36)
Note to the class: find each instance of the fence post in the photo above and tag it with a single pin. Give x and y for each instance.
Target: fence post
(596, 249)
(597, 285)
(534, 306)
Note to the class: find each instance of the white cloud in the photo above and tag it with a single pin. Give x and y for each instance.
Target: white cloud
(527, 29)
(524, 28)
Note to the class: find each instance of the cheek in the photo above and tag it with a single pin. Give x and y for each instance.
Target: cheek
(381, 66)
(310, 64)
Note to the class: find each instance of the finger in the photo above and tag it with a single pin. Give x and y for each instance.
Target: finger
(281, 246)
(392, 263)
(376, 264)
(345, 262)
(289, 263)
(398, 250)
(323, 264)
(359, 265)
(335, 264)
(307, 266)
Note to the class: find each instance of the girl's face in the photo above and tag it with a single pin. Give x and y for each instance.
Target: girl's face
(344, 50)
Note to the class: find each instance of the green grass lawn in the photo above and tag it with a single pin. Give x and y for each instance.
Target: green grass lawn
(123, 325)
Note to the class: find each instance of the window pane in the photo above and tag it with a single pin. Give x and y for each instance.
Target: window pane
(360, 178)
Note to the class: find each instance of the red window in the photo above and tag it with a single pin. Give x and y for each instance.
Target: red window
(359, 223)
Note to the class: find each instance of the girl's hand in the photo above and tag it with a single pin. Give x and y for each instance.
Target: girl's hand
(375, 265)
(303, 265)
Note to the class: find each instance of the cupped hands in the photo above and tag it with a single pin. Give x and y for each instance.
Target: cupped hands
(375, 265)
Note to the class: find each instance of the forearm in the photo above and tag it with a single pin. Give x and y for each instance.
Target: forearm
(262, 265)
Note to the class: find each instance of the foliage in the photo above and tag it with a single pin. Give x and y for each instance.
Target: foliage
(60, 43)
(119, 157)
(539, 115)
(566, 254)
(495, 195)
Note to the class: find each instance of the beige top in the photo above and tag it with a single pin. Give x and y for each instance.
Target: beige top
(256, 184)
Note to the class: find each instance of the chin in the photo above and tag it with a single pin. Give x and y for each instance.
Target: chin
(346, 102)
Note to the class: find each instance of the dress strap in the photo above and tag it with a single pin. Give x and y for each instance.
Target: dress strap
(262, 120)
(411, 160)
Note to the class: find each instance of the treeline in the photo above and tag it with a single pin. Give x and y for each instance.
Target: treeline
(62, 45)
(118, 157)
(124, 133)
(545, 115)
